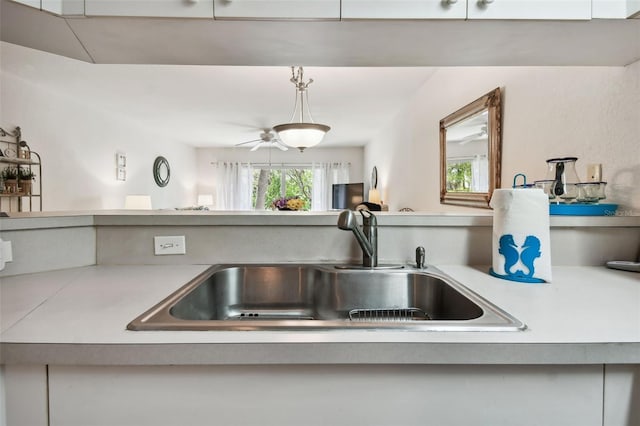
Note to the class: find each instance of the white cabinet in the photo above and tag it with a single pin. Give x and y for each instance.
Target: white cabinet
(633, 8)
(150, 8)
(404, 9)
(277, 9)
(25, 395)
(608, 9)
(30, 3)
(64, 7)
(529, 9)
(326, 395)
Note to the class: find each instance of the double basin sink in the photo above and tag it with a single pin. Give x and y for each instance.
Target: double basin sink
(306, 297)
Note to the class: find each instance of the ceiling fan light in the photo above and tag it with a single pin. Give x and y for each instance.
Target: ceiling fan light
(301, 135)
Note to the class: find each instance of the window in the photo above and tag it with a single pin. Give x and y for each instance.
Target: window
(272, 183)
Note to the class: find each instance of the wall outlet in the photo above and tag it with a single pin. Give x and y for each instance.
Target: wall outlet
(6, 253)
(169, 245)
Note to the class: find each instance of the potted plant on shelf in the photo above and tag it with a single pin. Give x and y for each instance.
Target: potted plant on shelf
(9, 176)
(26, 177)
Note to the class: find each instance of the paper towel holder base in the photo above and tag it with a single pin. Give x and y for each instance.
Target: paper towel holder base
(516, 277)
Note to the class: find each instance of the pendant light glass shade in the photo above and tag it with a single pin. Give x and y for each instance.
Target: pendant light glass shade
(301, 134)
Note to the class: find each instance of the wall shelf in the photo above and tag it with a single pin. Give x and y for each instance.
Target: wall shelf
(19, 195)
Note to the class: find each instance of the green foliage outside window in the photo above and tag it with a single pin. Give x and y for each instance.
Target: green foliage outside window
(267, 186)
(459, 176)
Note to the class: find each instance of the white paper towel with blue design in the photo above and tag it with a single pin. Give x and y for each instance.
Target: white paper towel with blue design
(521, 242)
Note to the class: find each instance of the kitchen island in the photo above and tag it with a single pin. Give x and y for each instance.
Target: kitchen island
(78, 279)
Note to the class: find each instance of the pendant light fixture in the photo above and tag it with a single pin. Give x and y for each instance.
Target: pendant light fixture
(300, 134)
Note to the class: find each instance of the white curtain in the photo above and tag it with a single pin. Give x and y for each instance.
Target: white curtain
(234, 184)
(324, 176)
(479, 174)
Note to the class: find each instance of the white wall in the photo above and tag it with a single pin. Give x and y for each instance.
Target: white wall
(592, 113)
(78, 138)
(207, 156)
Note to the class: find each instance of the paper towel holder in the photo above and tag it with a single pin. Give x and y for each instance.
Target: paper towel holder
(477, 124)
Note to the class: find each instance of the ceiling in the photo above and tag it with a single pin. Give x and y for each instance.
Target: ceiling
(218, 83)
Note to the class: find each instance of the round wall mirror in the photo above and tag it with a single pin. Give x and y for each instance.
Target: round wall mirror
(161, 171)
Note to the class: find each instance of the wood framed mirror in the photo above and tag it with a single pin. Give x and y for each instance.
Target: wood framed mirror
(470, 152)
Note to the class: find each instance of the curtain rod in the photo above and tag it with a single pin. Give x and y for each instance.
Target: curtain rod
(280, 164)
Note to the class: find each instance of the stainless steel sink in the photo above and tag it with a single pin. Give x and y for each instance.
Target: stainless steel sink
(275, 297)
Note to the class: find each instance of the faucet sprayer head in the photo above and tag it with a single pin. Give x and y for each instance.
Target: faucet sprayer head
(347, 220)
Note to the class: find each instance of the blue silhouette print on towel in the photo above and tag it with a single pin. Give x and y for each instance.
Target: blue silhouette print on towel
(509, 250)
(525, 254)
(530, 252)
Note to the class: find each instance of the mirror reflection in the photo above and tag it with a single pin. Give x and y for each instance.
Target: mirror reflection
(470, 141)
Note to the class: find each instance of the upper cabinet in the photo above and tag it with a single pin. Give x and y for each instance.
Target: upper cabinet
(64, 7)
(277, 9)
(150, 8)
(529, 9)
(31, 3)
(404, 9)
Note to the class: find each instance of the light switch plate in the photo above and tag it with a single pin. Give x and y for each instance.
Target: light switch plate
(169, 245)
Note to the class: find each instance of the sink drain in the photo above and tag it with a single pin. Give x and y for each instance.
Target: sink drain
(393, 314)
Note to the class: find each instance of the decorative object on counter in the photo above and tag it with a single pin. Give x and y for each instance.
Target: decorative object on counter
(18, 168)
(137, 202)
(578, 209)
(9, 176)
(301, 134)
(288, 203)
(591, 192)
(568, 196)
(521, 239)
(25, 178)
(547, 186)
(372, 207)
(161, 171)
(470, 152)
(563, 172)
(205, 200)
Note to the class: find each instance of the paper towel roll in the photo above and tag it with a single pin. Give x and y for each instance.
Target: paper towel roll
(521, 243)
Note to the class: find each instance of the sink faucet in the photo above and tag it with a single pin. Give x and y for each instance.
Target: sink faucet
(367, 236)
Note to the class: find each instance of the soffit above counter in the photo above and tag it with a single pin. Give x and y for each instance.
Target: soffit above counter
(132, 40)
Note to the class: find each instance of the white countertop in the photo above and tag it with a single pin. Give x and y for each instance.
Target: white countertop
(44, 220)
(78, 316)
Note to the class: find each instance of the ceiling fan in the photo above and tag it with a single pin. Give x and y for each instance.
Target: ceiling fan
(267, 139)
(482, 134)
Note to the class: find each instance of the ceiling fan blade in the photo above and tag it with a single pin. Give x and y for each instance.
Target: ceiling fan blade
(471, 138)
(255, 148)
(244, 143)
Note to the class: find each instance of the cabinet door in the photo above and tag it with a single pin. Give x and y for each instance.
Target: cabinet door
(609, 9)
(277, 9)
(404, 9)
(64, 7)
(290, 395)
(151, 8)
(31, 3)
(529, 9)
(633, 8)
